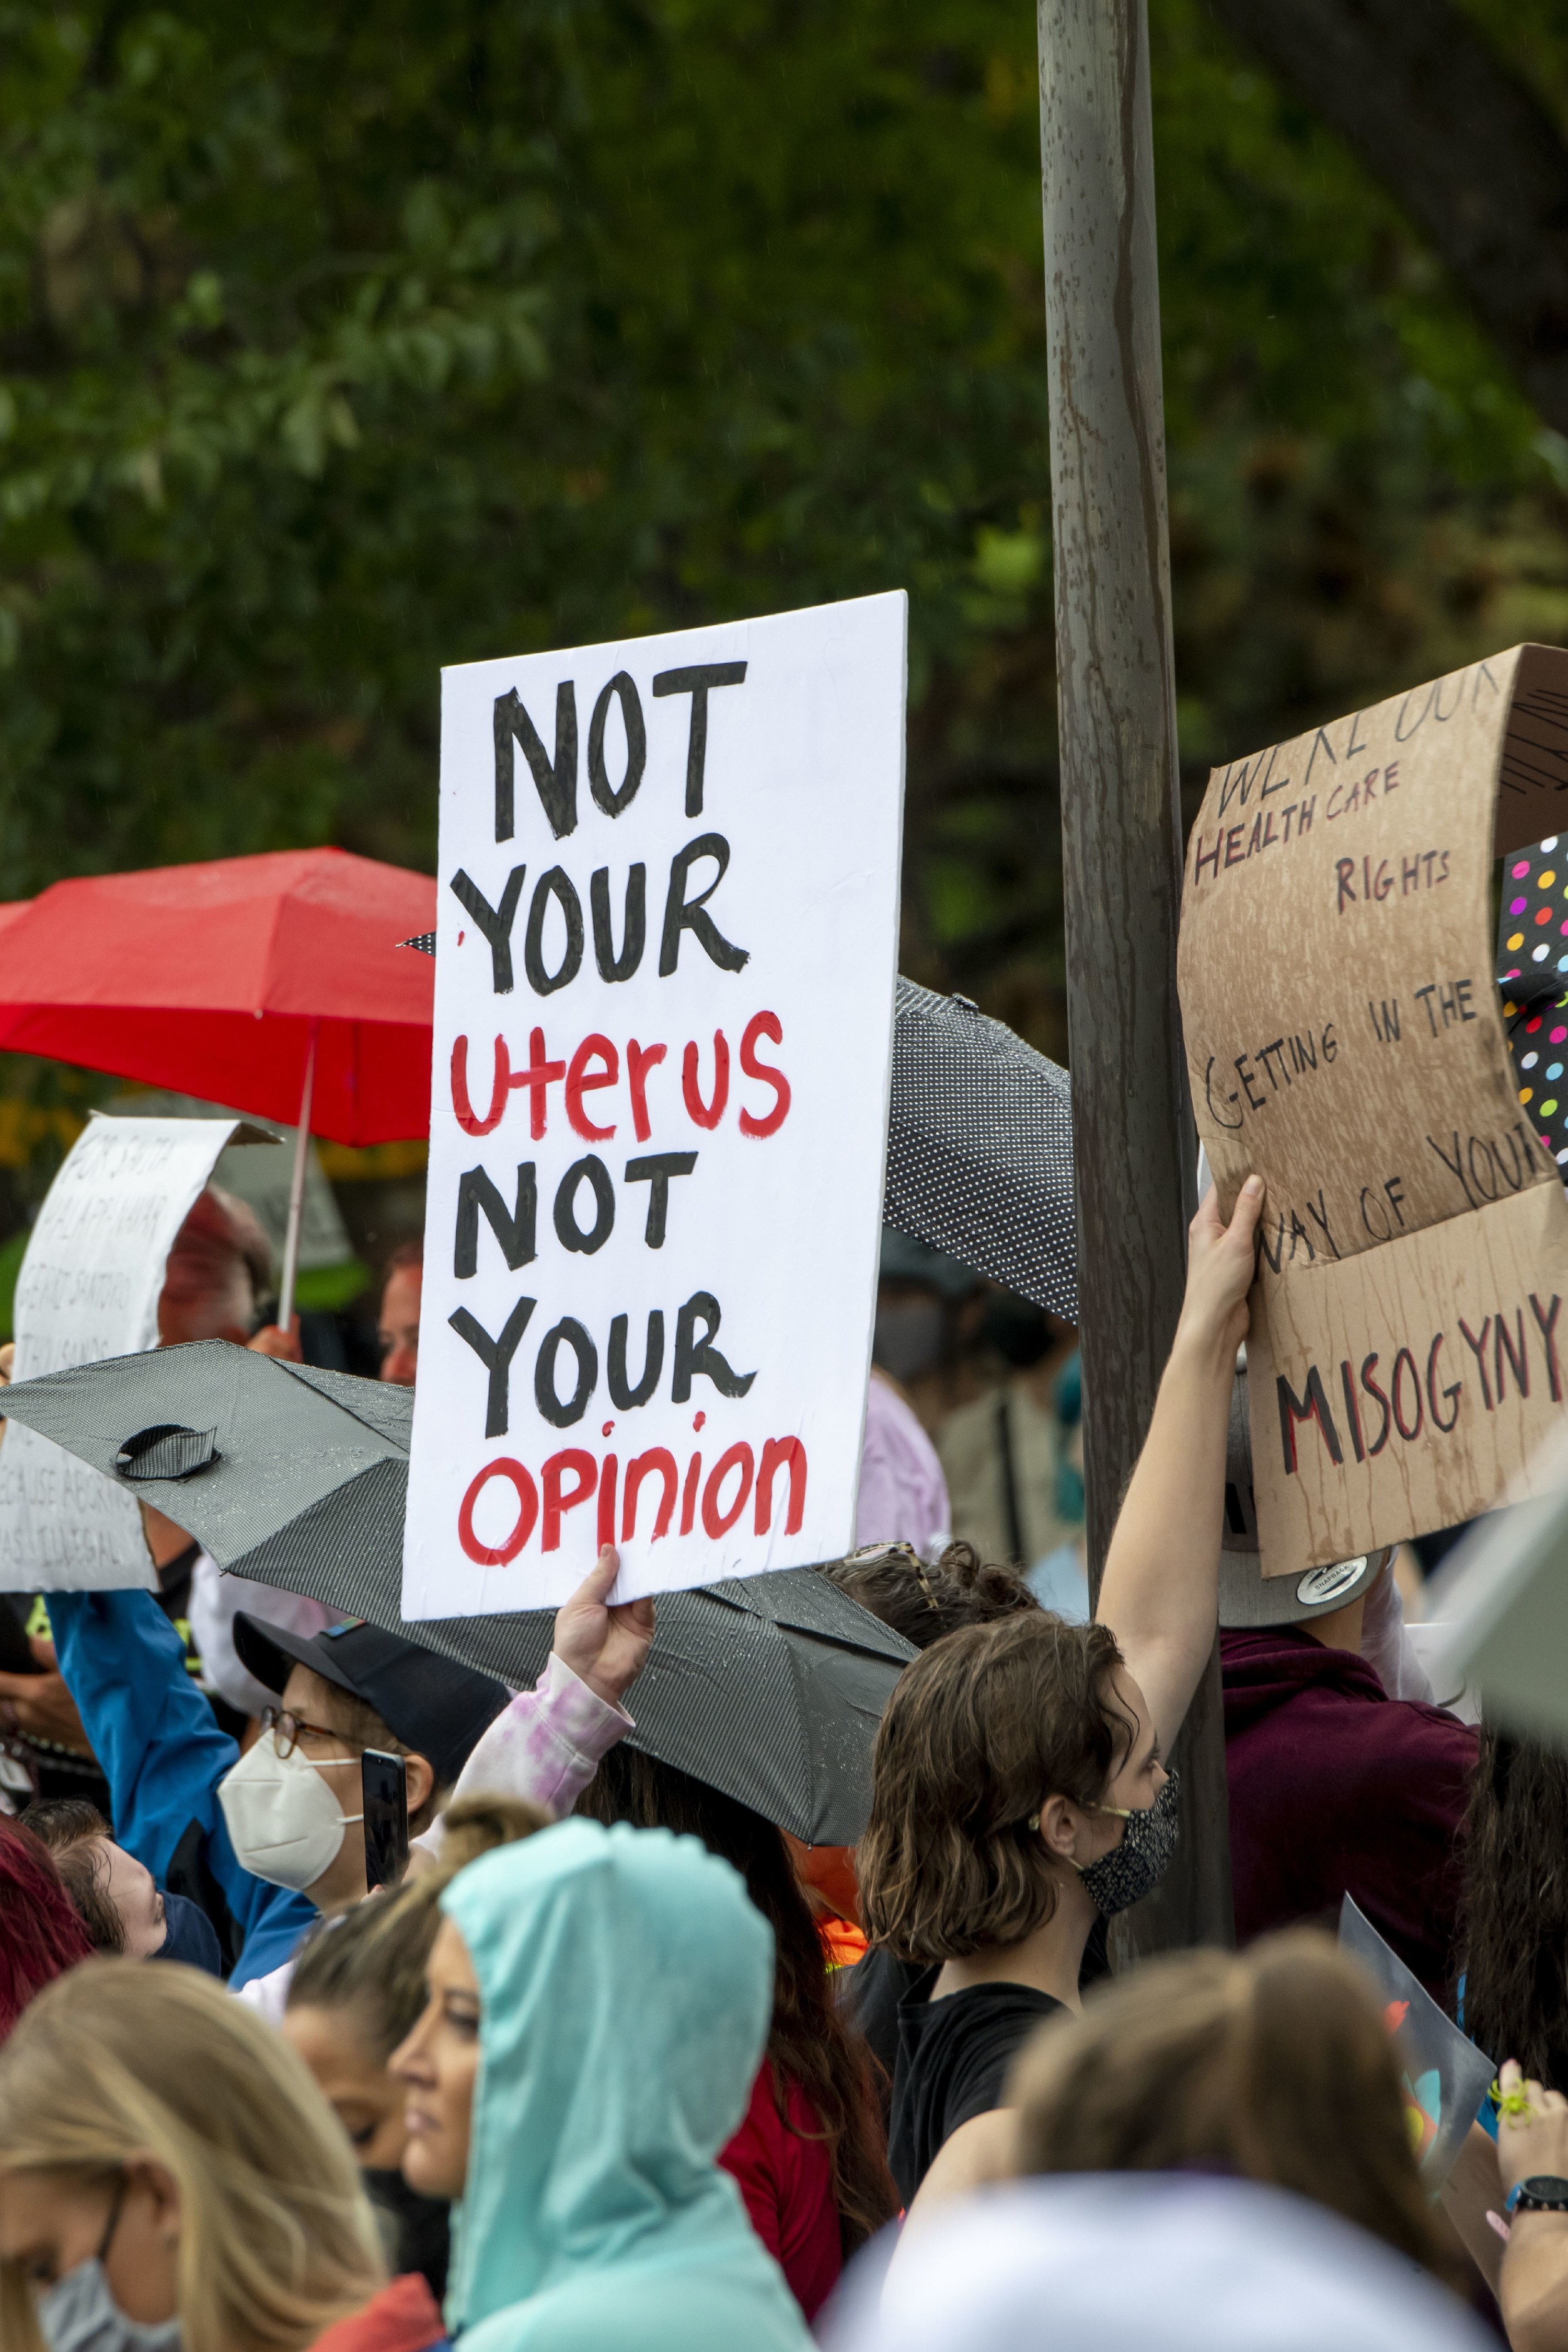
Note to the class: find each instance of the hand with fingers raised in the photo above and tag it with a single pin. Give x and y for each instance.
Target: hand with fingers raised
(605, 1647)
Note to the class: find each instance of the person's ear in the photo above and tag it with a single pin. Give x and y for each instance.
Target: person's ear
(421, 1779)
(1059, 1824)
(163, 2193)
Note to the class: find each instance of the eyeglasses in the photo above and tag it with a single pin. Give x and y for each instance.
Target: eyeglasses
(286, 1729)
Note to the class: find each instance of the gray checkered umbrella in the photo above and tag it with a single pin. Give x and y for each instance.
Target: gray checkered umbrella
(769, 1688)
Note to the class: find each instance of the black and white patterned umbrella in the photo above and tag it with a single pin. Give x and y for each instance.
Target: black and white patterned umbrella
(769, 1688)
(980, 1148)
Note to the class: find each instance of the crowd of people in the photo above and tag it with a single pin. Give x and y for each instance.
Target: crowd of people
(620, 2065)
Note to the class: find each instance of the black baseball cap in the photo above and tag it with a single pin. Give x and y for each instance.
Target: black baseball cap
(434, 1706)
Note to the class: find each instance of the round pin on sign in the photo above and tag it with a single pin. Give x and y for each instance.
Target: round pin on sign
(1321, 1585)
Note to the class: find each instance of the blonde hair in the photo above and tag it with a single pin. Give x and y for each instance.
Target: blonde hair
(478, 1824)
(399, 1943)
(119, 2062)
(1273, 2064)
(369, 1961)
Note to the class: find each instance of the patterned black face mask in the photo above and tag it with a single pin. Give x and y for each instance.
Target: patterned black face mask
(1135, 1867)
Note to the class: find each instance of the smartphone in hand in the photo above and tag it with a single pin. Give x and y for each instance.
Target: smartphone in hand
(384, 1782)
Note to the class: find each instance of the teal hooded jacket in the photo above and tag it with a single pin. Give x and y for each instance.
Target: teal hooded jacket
(625, 1986)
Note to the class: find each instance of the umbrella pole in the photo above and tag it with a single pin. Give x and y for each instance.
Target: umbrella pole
(297, 1189)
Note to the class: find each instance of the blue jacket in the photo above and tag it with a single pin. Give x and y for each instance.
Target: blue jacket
(164, 1756)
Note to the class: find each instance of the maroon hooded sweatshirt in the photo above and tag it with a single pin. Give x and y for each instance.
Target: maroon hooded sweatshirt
(1337, 1789)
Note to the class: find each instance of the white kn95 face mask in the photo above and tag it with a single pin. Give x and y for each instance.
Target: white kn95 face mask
(284, 1821)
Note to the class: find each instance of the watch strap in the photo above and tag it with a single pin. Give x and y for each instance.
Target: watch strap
(1541, 2192)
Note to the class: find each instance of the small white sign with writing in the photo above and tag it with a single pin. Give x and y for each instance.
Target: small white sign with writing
(664, 1000)
(88, 1289)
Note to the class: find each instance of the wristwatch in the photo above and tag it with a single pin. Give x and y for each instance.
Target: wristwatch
(1543, 2192)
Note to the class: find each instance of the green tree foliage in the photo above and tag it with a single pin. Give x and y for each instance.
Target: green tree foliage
(339, 343)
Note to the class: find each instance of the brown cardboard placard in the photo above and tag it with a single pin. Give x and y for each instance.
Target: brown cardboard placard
(1344, 1040)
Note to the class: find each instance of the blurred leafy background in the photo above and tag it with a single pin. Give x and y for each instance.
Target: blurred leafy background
(337, 344)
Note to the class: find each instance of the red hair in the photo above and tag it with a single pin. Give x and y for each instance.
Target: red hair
(40, 1934)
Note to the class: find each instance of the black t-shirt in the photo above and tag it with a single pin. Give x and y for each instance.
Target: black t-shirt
(871, 1991)
(953, 2063)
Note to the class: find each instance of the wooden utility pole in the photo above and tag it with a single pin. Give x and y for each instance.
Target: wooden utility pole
(1121, 821)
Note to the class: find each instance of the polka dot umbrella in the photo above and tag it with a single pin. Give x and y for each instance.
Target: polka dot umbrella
(1533, 971)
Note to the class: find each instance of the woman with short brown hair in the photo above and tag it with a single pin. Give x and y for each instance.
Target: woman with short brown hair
(1017, 1788)
(980, 1724)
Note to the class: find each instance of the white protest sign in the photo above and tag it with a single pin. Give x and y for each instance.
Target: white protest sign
(664, 1000)
(88, 1289)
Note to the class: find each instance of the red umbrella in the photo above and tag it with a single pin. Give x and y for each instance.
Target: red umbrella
(272, 982)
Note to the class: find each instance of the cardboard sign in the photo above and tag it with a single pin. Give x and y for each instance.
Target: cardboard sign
(1345, 1040)
(1445, 2078)
(88, 1289)
(664, 1000)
